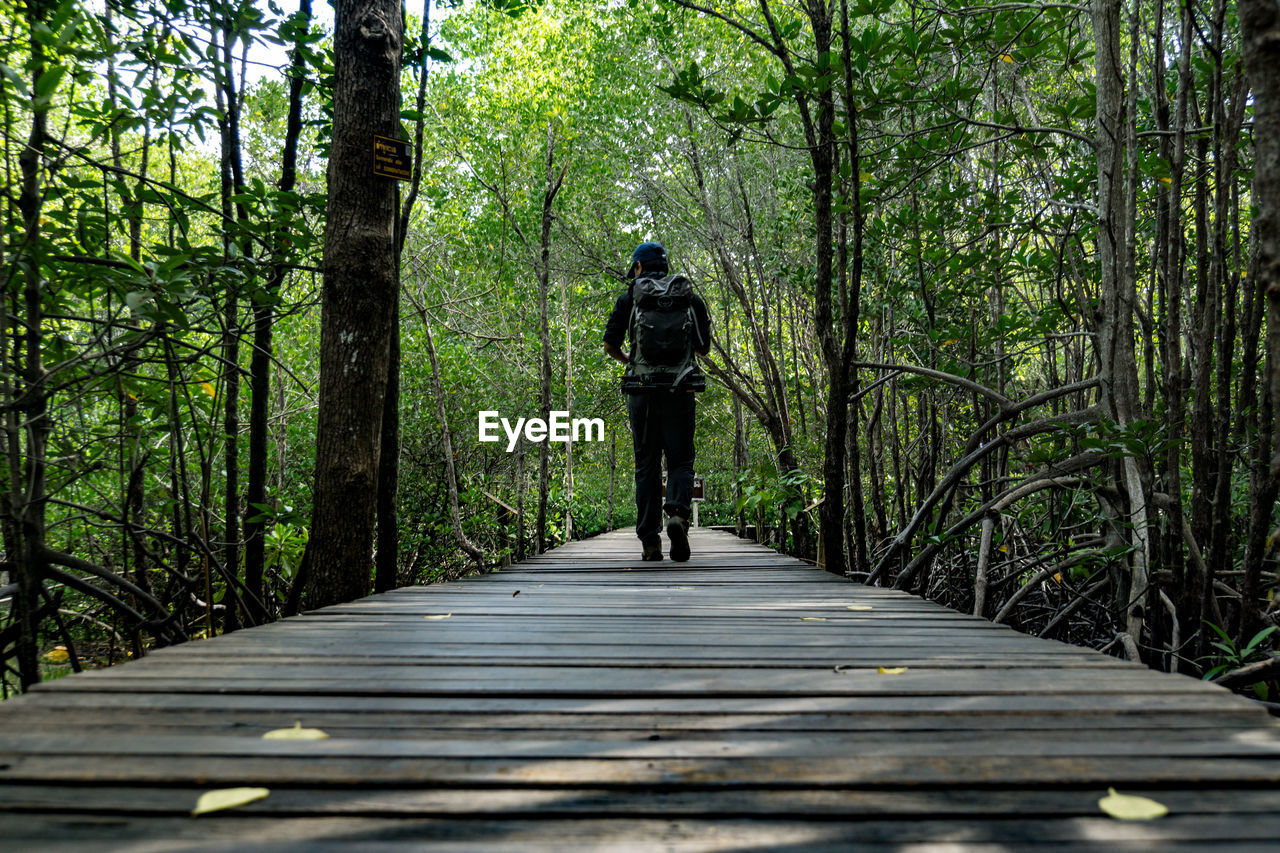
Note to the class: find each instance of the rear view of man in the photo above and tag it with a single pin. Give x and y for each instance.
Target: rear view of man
(667, 324)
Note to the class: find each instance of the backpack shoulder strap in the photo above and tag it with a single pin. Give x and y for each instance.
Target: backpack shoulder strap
(631, 319)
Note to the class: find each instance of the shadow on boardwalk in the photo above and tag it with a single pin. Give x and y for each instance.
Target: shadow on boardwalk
(586, 700)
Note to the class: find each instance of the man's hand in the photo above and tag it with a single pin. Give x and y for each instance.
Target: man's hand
(616, 354)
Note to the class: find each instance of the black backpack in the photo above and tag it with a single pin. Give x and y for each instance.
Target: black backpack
(663, 331)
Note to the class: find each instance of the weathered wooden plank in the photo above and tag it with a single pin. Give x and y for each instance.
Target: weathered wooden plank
(623, 727)
(1080, 709)
(252, 831)
(540, 770)
(597, 802)
(790, 630)
(579, 687)
(489, 657)
(170, 675)
(1261, 745)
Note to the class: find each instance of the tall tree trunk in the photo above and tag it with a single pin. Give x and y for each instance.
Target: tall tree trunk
(446, 442)
(388, 550)
(568, 405)
(260, 360)
(520, 490)
(387, 556)
(27, 497)
(544, 331)
(358, 301)
(132, 550)
(228, 98)
(1172, 275)
(1224, 540)
(1260, 33)
(822, 145)
(1117, 292)
(851, 291)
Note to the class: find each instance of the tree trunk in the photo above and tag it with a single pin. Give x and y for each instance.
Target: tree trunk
(822, 145)
(1172, 273)
(520, 514)
(544, 332)
(568, 406)
(1260, 33)
(358, 301)
(446, 443)
(387, 557)
(27, 497)
(260, 360)
(388, 549)
(228, 98)
(1118, 369)
(851, 292)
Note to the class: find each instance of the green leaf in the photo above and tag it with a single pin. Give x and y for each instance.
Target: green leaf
(1221, 633)
(137, 301)
(48, 82)
(1257, 638)
(227, 798)
(16, 79)
(296, 733)
(1211, 674)
(1128, 807)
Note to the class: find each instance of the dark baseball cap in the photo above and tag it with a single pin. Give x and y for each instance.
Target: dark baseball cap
(648, 254)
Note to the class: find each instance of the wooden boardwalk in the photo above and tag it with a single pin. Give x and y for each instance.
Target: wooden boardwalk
(586, 700)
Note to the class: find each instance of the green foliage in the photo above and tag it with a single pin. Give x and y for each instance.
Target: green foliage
(285, 546)
(766, 493)
(1231, 657)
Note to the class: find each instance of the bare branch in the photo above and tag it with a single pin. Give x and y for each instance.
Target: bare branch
(994, 396)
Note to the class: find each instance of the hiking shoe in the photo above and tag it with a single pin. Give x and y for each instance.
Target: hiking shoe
(678, 531)
(652, 553)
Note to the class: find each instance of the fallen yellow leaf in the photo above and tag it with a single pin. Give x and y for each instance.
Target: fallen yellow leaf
(813, 619)
(57, 655)
(1006, 57)
(439, 615)
(891, 670)
(295, 733)
(208, 389)
(1166, 180)
(227, 798)
(1128, 807)
(1058, 577)
(859, 607)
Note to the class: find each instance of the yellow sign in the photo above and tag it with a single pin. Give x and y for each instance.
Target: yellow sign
(392, 158)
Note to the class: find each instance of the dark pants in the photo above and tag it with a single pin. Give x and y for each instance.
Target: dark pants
(661, 421)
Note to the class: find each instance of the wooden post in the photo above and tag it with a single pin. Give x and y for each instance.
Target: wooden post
(822, 548)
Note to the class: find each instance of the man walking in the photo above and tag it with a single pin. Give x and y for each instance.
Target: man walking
(667, 324)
